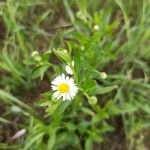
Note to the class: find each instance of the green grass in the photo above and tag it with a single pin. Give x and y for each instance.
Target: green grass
(109, 36)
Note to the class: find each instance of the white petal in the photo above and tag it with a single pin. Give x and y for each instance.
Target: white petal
(63, 77)
(56, 81)
(71, 81)
(67, 78)
(68, 97)
(54, 87)
(64, 97)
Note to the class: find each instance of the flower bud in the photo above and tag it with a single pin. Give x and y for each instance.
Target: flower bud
(15, 109)
(96, 27)
(103, 75)
(92, 100)
(69, 70)
(36, 56)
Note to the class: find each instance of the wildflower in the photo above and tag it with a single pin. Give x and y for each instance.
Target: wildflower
(68, 69)
(96, 27)
(103, 75)
(36, 56)
(64, 87)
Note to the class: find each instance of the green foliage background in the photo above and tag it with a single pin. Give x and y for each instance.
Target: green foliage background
(118, 106)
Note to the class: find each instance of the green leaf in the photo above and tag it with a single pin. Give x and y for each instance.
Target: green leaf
(5, 66)
(63, 55)
(69, 11)
(2, 120)
(9, 98)
(65, 139)
(5, 146)
(64, 105)
(52, 139)
(87, 111)
(46, 55)
(40, 71)
(33, 140)
(88, 85)
(10, 64)
(103, 90)
(43, 16)
(89, 144)
(52, 108)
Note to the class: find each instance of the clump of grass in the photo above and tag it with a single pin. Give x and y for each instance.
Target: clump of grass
(104, 44)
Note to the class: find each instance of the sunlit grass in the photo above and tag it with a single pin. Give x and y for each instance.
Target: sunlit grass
(108, 41)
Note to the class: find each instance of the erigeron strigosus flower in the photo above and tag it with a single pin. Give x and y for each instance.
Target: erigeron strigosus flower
(64, 87)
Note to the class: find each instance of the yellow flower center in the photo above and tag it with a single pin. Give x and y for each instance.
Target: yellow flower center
(63, 88)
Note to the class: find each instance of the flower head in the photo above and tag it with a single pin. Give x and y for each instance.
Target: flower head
(64, 87)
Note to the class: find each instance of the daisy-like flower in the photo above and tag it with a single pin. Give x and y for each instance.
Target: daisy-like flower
(64, 87)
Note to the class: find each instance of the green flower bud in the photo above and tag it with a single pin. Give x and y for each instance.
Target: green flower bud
(36, 56)
(103, 75)
(15, 109)
(92, 100)
(96, 27)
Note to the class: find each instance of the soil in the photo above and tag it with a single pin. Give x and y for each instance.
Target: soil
(2, 31)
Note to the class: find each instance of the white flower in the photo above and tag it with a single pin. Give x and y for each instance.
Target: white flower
(68, 69)
(96, 27)
(64, 87)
